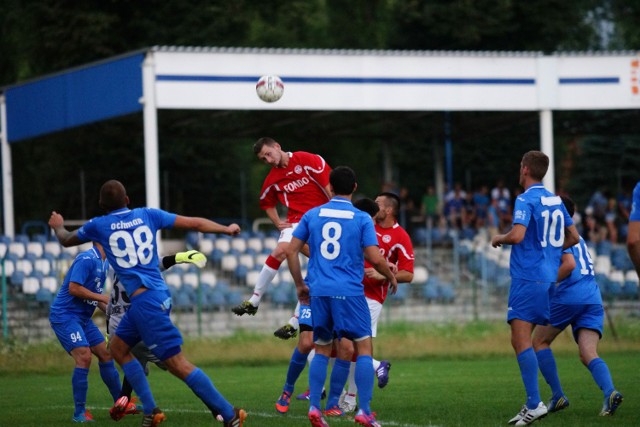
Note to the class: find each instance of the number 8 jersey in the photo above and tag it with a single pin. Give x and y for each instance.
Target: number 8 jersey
(537, 256)
(129, 240)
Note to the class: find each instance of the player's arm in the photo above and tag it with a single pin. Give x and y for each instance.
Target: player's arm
(633, 244)
(65, 237)
(567, 264)
(79, 291)
(204, 225)
(571, 236)
(513, 237)
(372, 254)
(292, 250)
(273, 215)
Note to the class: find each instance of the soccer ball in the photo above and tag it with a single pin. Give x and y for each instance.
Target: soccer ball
(270, 88)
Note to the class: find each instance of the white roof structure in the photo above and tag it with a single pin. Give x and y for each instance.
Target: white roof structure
(340, 80)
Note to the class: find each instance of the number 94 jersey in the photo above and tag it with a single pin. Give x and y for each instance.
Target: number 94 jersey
(537, 256)
(129, 240)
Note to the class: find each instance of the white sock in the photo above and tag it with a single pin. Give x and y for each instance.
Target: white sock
(376, 364)
(311, 354)
(295, 324)
(264, 278)
(351, 381)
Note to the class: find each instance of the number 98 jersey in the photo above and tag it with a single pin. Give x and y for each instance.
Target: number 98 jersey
(129, 240)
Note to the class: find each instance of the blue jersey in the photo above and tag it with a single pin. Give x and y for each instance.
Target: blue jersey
(336, 233)
(537, 256)
(580, 286)
(635, 205)
(89, 271)
(129, 240)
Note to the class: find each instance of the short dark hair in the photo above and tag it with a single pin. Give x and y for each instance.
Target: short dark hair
(537, 162)
(343, 180)
(367, 205)
(113, 195)
(257, 147)
(393, 200)
(569, 204)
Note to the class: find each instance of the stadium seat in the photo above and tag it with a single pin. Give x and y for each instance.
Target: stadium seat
(206, 246)
(50, 283)
(247, 260)
(192, 239)
(25, 266)
(603, 264)
(229, 263)
(3, 249)
(21, 238)
(191, 280)
(447, 293)
(35, 248)
(208, 278)
(269, 244)
(44, 296)
(616, 280)
(260, 259)
(239, 244)
(183, 300)
(16, 278)
(420, 274)
(40, 238)
(18, 249)
(252, 278)
(30, 285)
(630, 287)
(240, 273)
(43, 265)
(53, 248)
(401, 294)
(620, 259)
(173, 279)
(216, 256)
(223, 245)
(255, 243)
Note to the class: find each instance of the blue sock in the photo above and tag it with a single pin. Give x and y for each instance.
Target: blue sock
(80, 385)
(203, 387)
(529, 372)
(296, 366)
(136, 377)
(364, 380)
(601, 375)
(339, 375)
(317, 377)
(547, 364)
(111, 378)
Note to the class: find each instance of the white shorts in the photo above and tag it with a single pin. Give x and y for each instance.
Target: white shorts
(287, 234)
(375, 308)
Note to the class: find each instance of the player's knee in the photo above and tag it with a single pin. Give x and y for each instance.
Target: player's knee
(82, 357)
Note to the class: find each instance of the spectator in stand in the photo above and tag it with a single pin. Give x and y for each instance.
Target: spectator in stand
(625, 199)
(469, 213)
(454, 207)
(502, 196)
(407, 209)
(430, 205)
(610, 219)
(481, 202)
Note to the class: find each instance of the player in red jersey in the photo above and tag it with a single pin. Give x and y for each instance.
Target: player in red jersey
(299, 181)
(396, 247)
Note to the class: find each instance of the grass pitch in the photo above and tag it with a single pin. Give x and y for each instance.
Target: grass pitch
(478, 385)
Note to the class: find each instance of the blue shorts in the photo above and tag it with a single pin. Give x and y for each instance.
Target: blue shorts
(75, 333)
(579, 316)
(148, 320)
(529, 301)
(305, 316)
(340, 317)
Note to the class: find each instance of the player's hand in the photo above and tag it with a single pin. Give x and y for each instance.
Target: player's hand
(283, 224)
(495, 241)
(56, 220)
(393, 286)
(303, 294)
(393, 268)
(192, 257)
(233, 229)
(372, 273)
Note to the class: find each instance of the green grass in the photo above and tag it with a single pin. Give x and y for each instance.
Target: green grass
(429, 392)
(477, 384)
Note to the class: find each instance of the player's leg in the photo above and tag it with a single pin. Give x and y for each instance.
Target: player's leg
(290, 329)
(339, 375)
(73, 339)
(589, 331)
(296, 365)
(323, 339)
(383, 367)
(542, 339)
(107, 367)
(268, 272)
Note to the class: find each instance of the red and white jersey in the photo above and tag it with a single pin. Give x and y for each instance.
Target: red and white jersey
(299, 186)
(396, 247)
